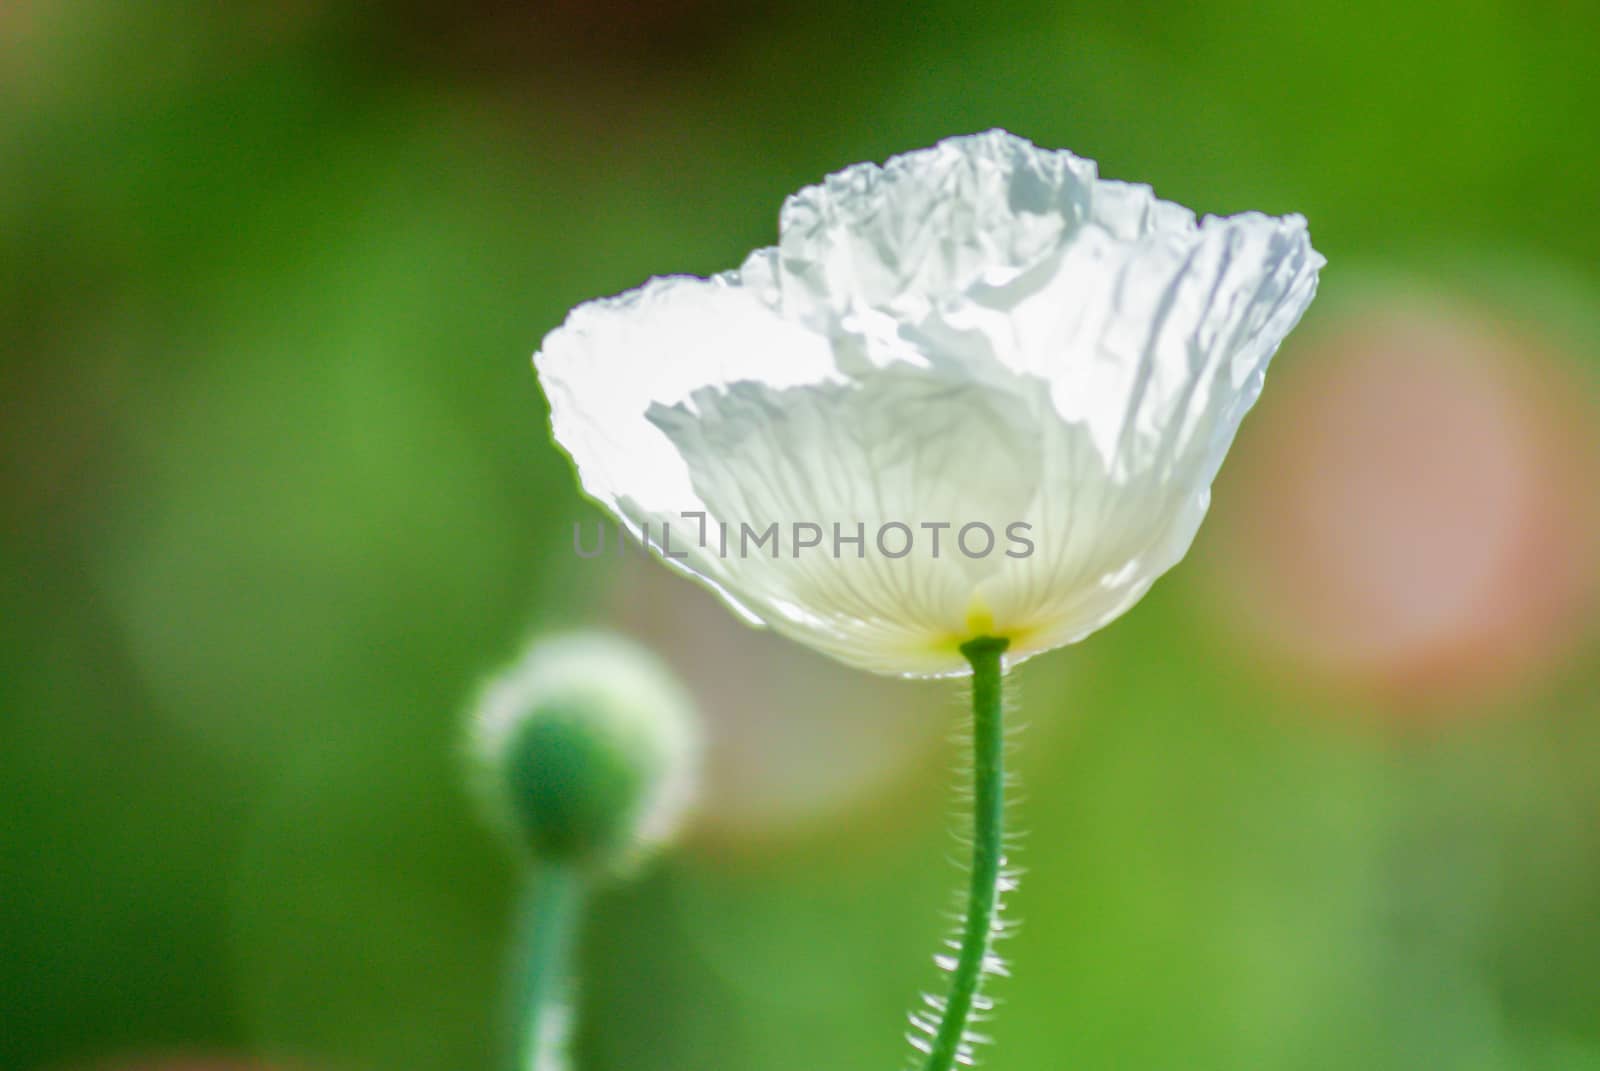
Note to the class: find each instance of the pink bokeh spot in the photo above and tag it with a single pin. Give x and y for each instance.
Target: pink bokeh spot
(1414, 512)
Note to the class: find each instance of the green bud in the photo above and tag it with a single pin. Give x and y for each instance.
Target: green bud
(587, 749)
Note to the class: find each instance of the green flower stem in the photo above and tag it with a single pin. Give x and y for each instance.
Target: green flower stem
(542, 968)
(987, 851)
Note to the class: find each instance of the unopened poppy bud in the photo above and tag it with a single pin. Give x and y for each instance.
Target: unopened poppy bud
(587, 748)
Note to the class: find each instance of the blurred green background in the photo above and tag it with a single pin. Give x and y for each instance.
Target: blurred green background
(277, 492)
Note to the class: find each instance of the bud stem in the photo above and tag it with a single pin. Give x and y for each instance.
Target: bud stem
(542, 969)
(949, 1045)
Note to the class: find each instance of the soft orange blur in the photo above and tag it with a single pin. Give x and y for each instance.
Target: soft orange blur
(1414, 513)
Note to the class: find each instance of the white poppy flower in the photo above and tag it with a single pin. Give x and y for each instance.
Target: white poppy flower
(983, 335)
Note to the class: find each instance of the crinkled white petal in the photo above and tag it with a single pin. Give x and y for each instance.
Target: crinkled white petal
(615, 358)
(900, 447)
(930, 223)
(981, 332)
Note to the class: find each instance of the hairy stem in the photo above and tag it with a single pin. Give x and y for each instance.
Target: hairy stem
(988, 829)
(541, 970)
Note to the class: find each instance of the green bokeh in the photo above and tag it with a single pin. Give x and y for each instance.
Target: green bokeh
(277, 491)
